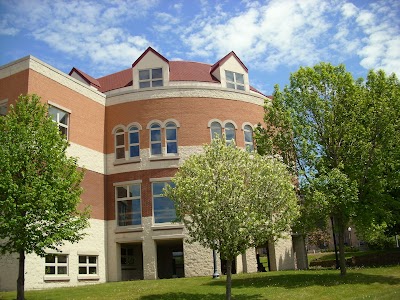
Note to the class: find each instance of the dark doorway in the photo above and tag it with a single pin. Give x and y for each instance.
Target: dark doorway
(131, 261)
(170, 259)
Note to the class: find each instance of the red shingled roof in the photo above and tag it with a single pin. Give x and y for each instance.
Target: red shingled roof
(116, 80)
(190, 71)
(89, 79)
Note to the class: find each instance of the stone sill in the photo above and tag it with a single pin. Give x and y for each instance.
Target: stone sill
(55, 278)
(166, 227)
(128, 229)
(118, 162)
(156, 158)
(89, 277)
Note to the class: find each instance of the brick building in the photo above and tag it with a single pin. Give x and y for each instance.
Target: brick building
(131, 130)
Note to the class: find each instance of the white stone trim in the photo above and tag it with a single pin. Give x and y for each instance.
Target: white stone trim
(87, 158)
(133, 124)
(248, 123)
(161, 179)
(229, 121)
(119, 126)
(51, 103)
(176, 122)
(128, 94)
(139, 181)
(154, 121)
(88, 253)
(214, 120)
(31, 62)
(168, 237)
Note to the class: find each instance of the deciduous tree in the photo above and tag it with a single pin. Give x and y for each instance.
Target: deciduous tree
(39, 185)
(231, 200)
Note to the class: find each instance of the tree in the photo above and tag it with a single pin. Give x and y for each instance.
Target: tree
(231, 200)
(39, 185)
(340, 137)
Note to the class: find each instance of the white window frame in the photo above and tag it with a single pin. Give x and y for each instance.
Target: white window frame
(165, 181)
(157, 141)
(127, 186)
(173, 127)
(235, 84)
(119, 132)
(248, 145)
(87, 264)
(151, 80)
(229, 126)
(56, 264)
(134, 129)
(57, 118)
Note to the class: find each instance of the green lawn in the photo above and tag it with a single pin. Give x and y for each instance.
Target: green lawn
(370, 283)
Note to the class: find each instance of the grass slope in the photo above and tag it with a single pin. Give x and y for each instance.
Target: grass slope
(371, 283)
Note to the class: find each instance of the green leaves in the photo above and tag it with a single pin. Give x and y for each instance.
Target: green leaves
(230, 200)
(39, 184)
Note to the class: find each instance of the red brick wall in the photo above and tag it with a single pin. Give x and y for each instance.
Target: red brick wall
(13, 86)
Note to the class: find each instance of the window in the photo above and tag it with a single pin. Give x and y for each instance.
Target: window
(234, 80)
(3, 108)
(171, 138)
(150, 78)
(155, 139)
(119, 144)
(163, 207)
(134, 148)
(87, 264)
(216, 130)
(128, 205)
(61, 118)
(127, 257)
(248, 138)
(56, 264)
(230, 133)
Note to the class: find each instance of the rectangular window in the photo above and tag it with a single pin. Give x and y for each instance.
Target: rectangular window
(234, 80)
(128, 205)
(56, 264)
(87, 264)
(3, 108)
(163, 207)
(61, 118)
(150, 78)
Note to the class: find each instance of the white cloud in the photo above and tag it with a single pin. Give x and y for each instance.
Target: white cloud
(349, 10)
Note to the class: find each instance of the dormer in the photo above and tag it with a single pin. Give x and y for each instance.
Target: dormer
(150, 70)
(85, 78)
(231, 72)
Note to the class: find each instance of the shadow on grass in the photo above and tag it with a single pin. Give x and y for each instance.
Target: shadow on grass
(189, 296)
(304, 280)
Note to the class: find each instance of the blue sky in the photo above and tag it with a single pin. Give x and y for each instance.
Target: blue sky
(273, 38)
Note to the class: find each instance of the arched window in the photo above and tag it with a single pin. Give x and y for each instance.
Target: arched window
(171, 138)
(216, 130)
(155, 139)
(230, 133)
(119, 144)
(134, 146)
(248, 138)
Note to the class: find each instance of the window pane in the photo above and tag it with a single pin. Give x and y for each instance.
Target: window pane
(216, 129)
(157, 83)
(62, 258)
(134, 137)
(92, 270)
(155, 125)
(239, 78)
(156, 149)
(155, 135)
(134, 190)
(230, 85)
(171, 134)
(134, 151)
(157, 73)
(50, 270)
(120, 153)
(248, 134)
(82, 270)
(164, 210)
(92, 259)
(144, 74)
(62, 270)
(144, 84)
(229, 76)
(50, 259)
(172, 147)
(63, 117)
(53, 113)
(3, 110)
(82, 259)
(122, 192)
(158, 188)
(240, 87)
(120, 139)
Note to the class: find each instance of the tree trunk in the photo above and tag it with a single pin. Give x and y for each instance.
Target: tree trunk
(21, 276)
(228, 279)
(342, 257)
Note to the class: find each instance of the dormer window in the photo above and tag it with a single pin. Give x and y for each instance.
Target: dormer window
(150, 78)
(234, 80)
